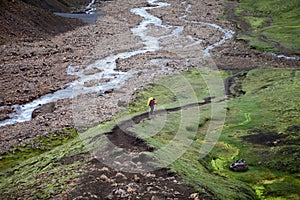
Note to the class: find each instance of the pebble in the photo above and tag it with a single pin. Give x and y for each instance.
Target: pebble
(104, 178)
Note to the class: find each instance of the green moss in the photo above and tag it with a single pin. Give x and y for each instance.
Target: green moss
(272, 24)
(258, 44)
(35, 147)
(164, 130)
(176, 90)
(285, 185)
(39, 173)
(255, 22)
(269, 108)
(265, 109)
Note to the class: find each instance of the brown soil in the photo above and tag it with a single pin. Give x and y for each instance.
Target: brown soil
(102, 182)
(31, 20)
(268, 136)
(266, 139)
(233, 85)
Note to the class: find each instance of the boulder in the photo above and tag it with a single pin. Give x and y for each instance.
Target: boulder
(4, 117)
(239, 165)
(5, 112)
(44, 109)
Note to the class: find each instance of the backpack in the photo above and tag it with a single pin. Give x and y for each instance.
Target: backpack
(149, 101)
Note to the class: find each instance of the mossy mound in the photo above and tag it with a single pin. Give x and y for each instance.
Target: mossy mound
(272, 26)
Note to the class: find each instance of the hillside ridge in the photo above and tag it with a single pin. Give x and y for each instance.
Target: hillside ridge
(33, 20)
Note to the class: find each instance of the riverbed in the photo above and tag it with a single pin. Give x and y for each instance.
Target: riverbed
(105, 69)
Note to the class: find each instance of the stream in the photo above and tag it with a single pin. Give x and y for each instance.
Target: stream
(105, 68)
(86, 14)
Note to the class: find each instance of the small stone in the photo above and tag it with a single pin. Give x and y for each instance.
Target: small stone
(193, 196)
(104, 178)
(120, 176)
(139, 163)
(122, 103)
(121, 193)
(136, 178)
(114, 184)
(177, 193)
(94, 196)
(109, 91)
(92, 71)
(104, 169)
(110, 196)
(91, 176)
(132, 188)
(149, 175)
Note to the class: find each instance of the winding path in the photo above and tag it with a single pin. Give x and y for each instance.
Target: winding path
(122, 137)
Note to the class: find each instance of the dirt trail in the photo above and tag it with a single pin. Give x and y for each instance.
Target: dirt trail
(103, 182)
(123, 138)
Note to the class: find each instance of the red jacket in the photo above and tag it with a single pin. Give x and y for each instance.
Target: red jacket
(152, 103)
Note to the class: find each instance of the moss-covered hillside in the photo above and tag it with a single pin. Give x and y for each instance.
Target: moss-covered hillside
(269, 25)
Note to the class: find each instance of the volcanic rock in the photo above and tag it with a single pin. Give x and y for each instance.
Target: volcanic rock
(44, 109)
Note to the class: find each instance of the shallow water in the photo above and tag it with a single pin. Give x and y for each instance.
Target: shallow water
(87, 14)
(88, 18)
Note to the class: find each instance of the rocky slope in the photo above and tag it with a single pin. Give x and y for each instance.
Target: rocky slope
(102, 182)
(30, 20)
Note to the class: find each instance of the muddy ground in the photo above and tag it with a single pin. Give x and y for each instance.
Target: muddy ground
(32, 69)
(102, 182)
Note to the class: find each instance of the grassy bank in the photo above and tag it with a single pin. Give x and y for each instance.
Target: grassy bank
(264, 125)
(274, 26)
(186, 136)
(261, 126)
(42, 168)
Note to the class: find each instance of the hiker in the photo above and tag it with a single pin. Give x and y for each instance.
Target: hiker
(151, 103)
